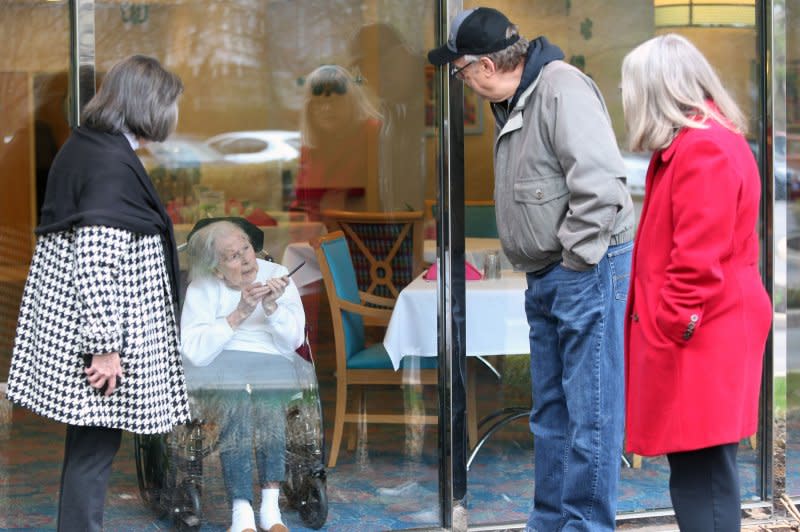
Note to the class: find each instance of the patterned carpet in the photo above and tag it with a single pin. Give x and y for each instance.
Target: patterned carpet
(375, 487)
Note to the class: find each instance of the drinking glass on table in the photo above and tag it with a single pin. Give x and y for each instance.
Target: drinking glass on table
(491, 265)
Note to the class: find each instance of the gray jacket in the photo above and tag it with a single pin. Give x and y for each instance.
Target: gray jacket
(560, 190)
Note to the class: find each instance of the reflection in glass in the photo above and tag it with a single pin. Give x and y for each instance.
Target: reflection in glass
(241, 151)
(591, 40)
(244, 65)
(34, 61)
(786, 148)
(339, 128)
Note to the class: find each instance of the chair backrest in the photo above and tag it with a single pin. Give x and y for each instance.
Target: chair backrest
(386, 248)
(479, 218)
(339, 277)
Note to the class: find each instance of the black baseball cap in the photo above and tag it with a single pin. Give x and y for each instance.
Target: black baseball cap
(478, 31)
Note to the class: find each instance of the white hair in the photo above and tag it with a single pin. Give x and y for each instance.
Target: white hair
(203, 258)
(666, 85)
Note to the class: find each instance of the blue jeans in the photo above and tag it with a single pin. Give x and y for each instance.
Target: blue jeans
(247, 421)
(577, 375)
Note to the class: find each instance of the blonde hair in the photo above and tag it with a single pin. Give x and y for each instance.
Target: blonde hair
(666, 85)
(334, 78)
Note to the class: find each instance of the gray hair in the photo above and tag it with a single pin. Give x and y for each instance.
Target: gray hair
(666, 84)
(509, 57)
(137, 96)
(332, 75)
(203, 259)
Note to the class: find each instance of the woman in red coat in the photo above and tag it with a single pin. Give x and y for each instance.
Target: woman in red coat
(698, 315)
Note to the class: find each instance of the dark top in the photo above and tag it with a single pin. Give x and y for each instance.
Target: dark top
(97, 179)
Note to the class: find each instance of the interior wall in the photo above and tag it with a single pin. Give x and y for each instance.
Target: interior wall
(16, 151)
(733, 53)
(28, 57)
(204, 41)
(601, 33)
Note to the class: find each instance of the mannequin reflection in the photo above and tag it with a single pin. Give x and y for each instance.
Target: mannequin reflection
(395, 72)
(338, 126)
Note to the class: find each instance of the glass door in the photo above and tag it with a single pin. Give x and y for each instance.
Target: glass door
(786, 154)
(594, 36)
(34, 99)
(312, 121)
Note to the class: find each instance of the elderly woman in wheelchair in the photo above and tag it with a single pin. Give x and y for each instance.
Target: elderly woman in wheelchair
(241, 323)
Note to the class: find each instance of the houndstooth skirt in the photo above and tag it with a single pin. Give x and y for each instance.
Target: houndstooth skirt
(93, 290)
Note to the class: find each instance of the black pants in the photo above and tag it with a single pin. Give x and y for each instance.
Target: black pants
(704, 486)
(88, 453)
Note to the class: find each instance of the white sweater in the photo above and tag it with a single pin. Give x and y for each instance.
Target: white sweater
(205, 331)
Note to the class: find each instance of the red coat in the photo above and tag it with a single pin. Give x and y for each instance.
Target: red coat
(698, 315)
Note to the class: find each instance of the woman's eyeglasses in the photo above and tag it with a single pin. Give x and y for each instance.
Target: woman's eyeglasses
(327, 87)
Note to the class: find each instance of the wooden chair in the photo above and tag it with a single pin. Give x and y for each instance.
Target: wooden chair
(358, 364)
(386, 248)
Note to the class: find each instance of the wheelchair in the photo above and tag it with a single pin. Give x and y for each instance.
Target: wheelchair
(171, 469)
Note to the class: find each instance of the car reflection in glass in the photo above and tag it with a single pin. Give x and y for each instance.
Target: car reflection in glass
(179, 151)
(257, 146)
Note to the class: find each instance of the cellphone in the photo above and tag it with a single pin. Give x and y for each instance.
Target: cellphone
(295, 269)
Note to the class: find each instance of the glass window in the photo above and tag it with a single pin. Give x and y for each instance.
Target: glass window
(590, 37)
(293, 114)
(34, 96)
(306, 118)
(787, 195)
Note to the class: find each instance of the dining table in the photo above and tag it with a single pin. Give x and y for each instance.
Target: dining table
(495, 313)
(496, 324)
(475, 249)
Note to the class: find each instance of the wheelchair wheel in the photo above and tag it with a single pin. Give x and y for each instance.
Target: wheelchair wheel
(313, 505)
(187, 517)
(152, 468)
(292, 486)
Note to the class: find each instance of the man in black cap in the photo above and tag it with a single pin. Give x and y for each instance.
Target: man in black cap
(564, 217)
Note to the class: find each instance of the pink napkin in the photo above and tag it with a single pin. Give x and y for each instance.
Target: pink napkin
(470, 271)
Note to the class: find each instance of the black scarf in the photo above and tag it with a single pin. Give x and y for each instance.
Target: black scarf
(97, 179)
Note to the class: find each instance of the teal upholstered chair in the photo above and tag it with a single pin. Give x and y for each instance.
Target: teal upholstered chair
(386, 247)
(359, 365)
(479, 218)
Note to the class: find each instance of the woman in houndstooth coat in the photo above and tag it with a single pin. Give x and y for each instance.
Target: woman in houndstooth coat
(97, 342)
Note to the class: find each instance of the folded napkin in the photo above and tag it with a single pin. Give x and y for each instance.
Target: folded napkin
(470, 271)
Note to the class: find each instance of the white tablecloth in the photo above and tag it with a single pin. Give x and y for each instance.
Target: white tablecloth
(475, 250)
(496, 322)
